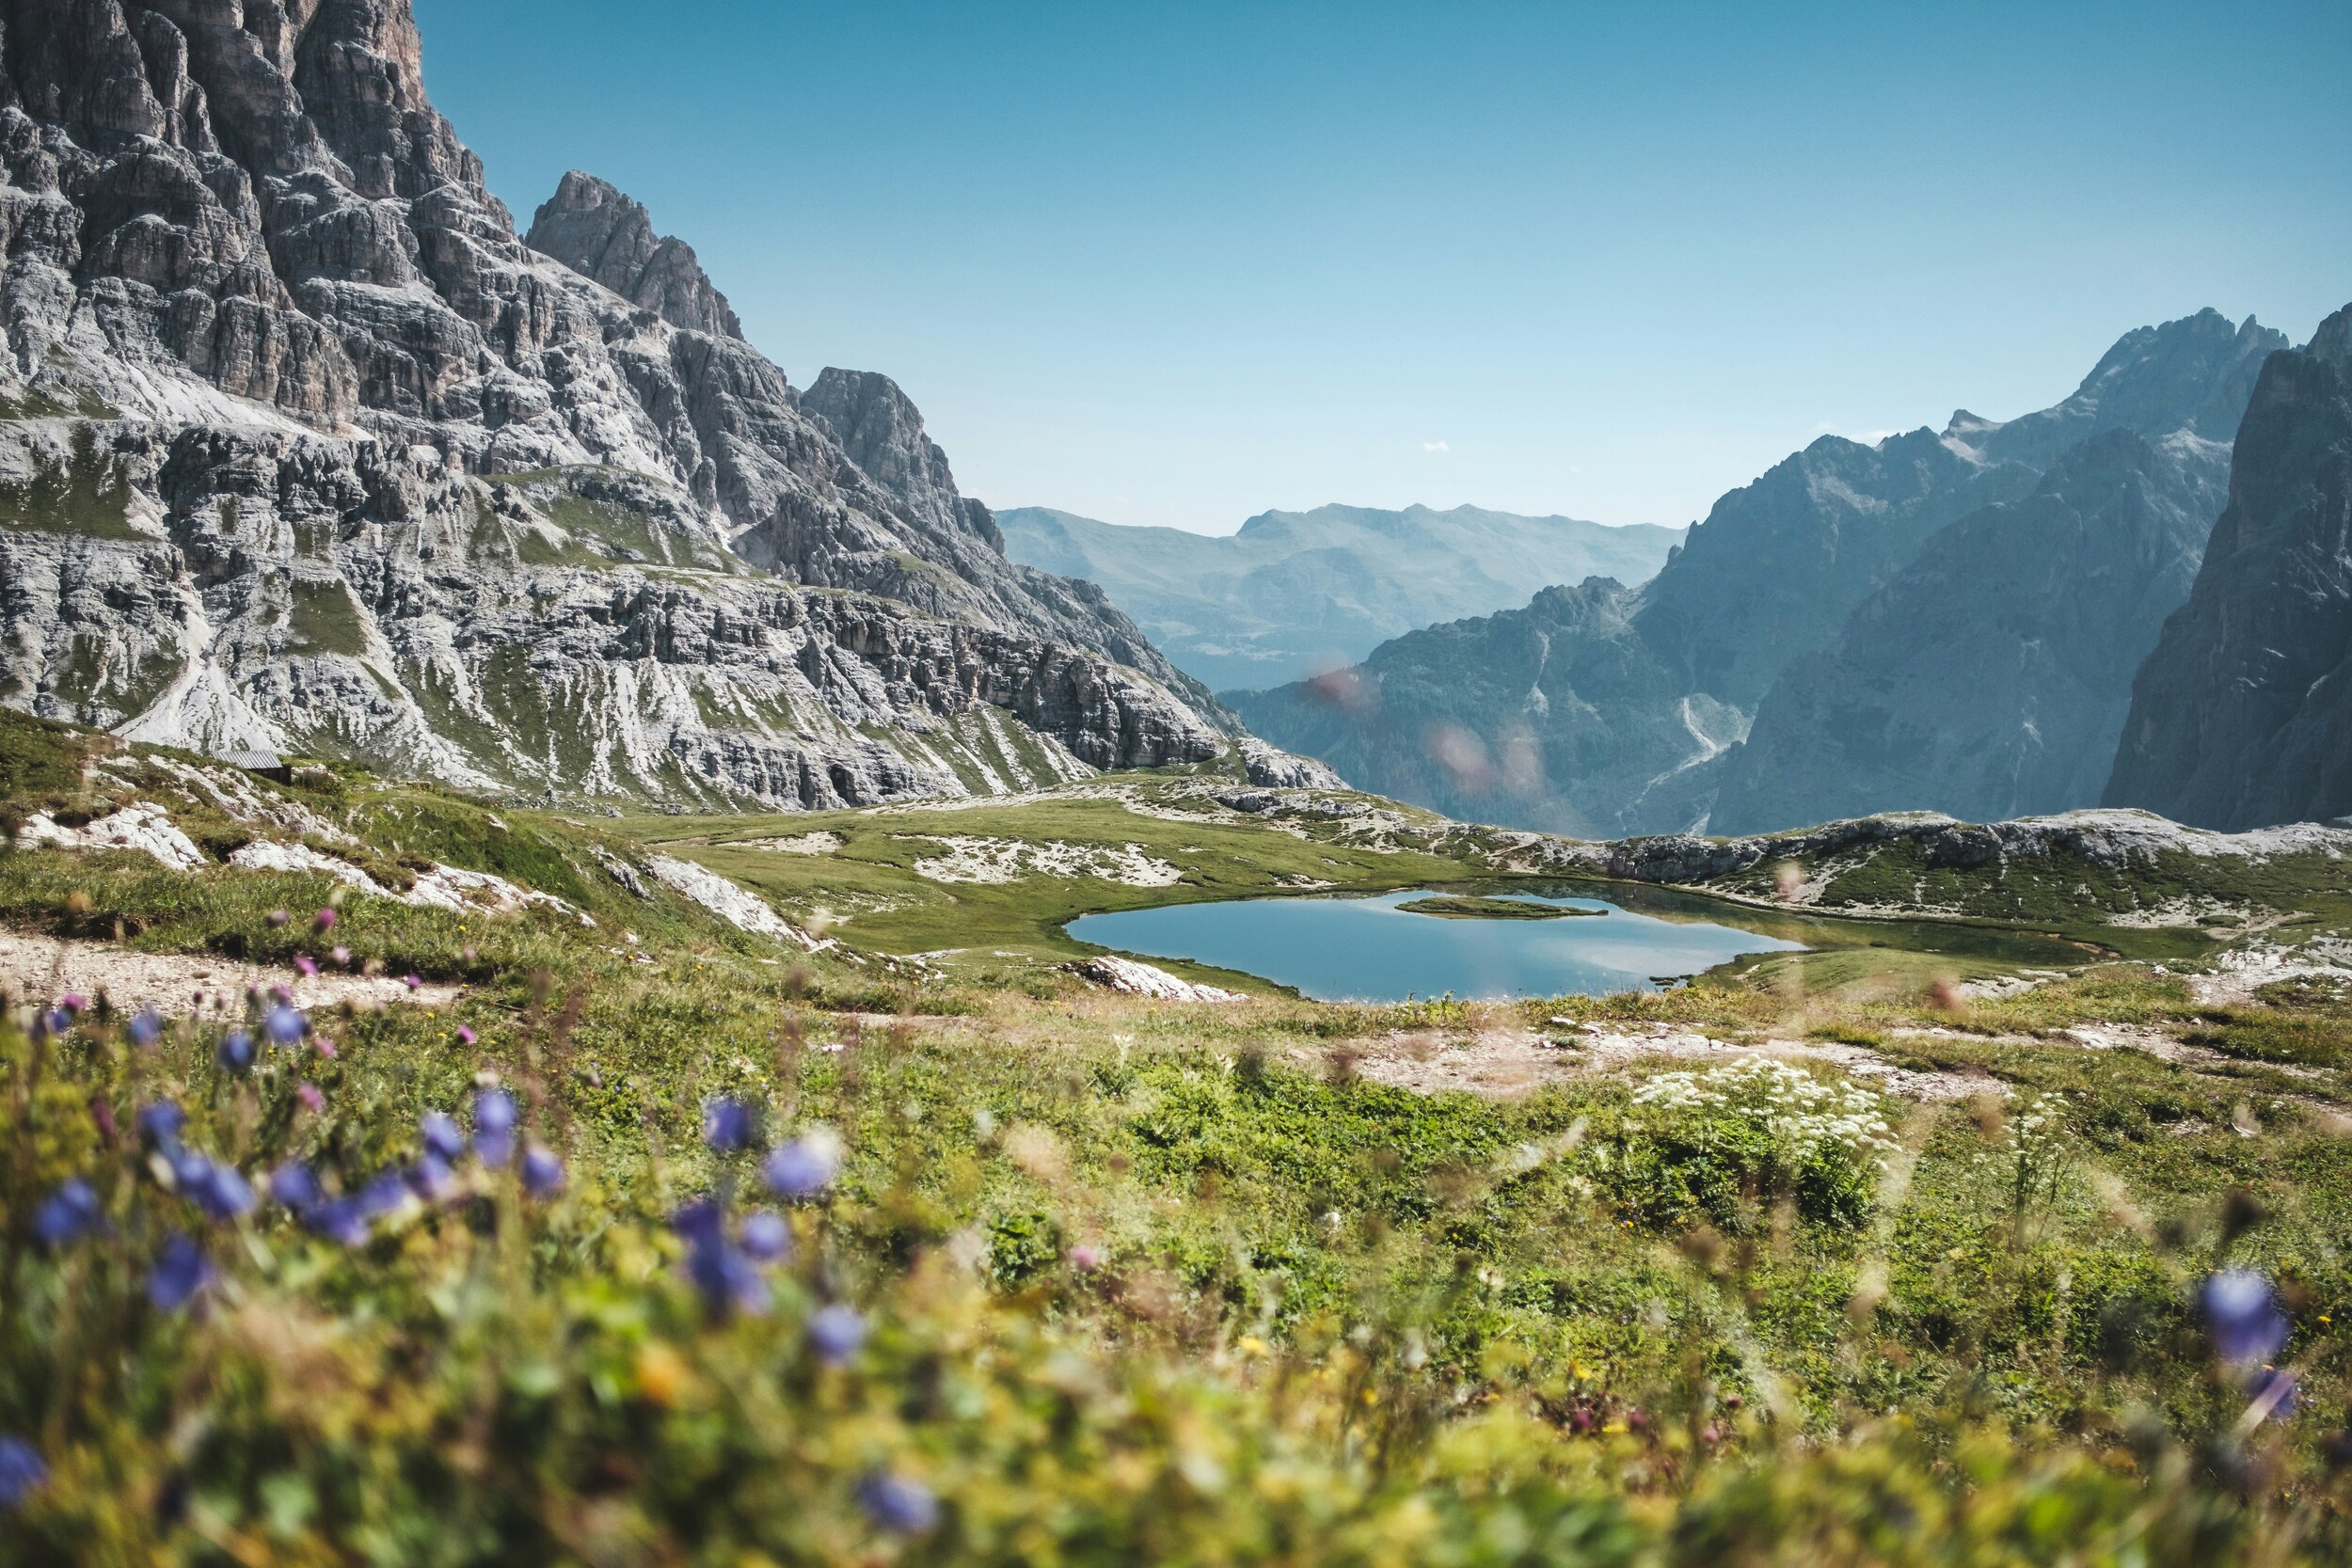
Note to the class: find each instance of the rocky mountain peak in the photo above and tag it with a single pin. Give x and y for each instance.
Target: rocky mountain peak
(598, 232)
(2333, 340)
(303, 450)
(881, 430)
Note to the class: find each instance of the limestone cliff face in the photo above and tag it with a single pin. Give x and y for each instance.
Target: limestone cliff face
(303, 448)
(2241, 716)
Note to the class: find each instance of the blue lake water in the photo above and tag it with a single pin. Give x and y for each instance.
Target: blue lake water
(1369, 950)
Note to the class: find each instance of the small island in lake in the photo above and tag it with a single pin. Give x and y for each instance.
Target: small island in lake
(1466, 907)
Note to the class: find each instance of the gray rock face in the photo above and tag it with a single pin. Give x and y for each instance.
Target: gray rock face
(1990, 679)
(1606, 713)
(303, 449)
(1294, 594)
(2242, 716)
(599, 234)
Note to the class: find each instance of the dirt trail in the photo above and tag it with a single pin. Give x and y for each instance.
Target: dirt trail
(46, 968)
(1507, 1063)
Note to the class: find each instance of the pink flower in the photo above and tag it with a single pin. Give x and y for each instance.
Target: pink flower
(307, 965)
(327, 1048)
(466, 1036)
(341, 955)
(414, 982)
(326, 921)
(310, 1098)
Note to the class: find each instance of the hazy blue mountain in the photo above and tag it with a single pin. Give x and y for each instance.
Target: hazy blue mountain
(1990, 680)
(1768, 582)
(1297, 593)
(2242, 716)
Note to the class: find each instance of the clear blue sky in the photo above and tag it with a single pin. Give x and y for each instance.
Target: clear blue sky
(1182, 262)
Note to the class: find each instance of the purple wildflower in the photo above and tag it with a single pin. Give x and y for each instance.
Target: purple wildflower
(216, 1190)
(310, 1098)
(767, 1238)
(306, 966)
(161, 1123)
(296, 1186)
(542, 1172)
(466, 1036)
(2243, 1317)
(494, 1122)
(181, 1273)
(386, 1193)
(236, 1050)
(22, 1473)
(727, 1279)
(146, 1029)
(441, 1134)
(414, 982)
(701, 1222)
(806, 1168)
(837, 1334)
(899, 1504)
(341, 1221)
(432, 1179)
(325, 920)
(285, 1025)
(68, 1215)
(728, 1125)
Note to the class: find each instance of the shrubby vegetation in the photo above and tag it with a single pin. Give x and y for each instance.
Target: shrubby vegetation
(672, 1254)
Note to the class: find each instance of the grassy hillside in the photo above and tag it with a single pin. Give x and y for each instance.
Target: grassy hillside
(1102, 1280)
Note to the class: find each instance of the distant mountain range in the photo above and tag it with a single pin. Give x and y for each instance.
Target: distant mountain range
(1944, 620)
(1296, 593)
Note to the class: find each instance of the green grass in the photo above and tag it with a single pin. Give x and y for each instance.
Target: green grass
(1467, 906)
(1319, 1320)
(324, 620)
(87, 498)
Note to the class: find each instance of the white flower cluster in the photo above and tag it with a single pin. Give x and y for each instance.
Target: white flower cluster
(2038, 1140)
(1801, 1113)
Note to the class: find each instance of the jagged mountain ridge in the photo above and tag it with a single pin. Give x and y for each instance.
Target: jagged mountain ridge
(307, 449)
(1990, 680)
(2241, 716)
(1770, 580)
(1294, 594)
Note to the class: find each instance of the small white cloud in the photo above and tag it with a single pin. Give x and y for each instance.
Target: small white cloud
(1437, 446)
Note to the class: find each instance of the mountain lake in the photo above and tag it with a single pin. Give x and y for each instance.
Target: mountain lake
(1428, 943)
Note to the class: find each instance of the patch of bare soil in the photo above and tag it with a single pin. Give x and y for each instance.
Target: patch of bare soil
(37, 967)
(1504, 1064)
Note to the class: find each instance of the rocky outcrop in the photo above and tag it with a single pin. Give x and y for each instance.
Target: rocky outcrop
(600, 234)
(1294, 594)
(1604, 713)
(1270, 767)
(2241, 716)
(1991, 678)
(305, 450)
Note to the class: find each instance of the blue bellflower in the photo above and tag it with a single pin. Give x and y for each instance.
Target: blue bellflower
(767, 1238)
(494, 1122)
(22, 1473)
(729, 1125)
(181, 1273)
(68, 1215)
(441, 1137)
(2243, 1317)
(542, 1172)
(899, 1504)
(803, 1169)
(837, 1334)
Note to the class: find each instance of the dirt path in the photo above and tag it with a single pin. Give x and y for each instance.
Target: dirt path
(1506, 1063)
(45, 968)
